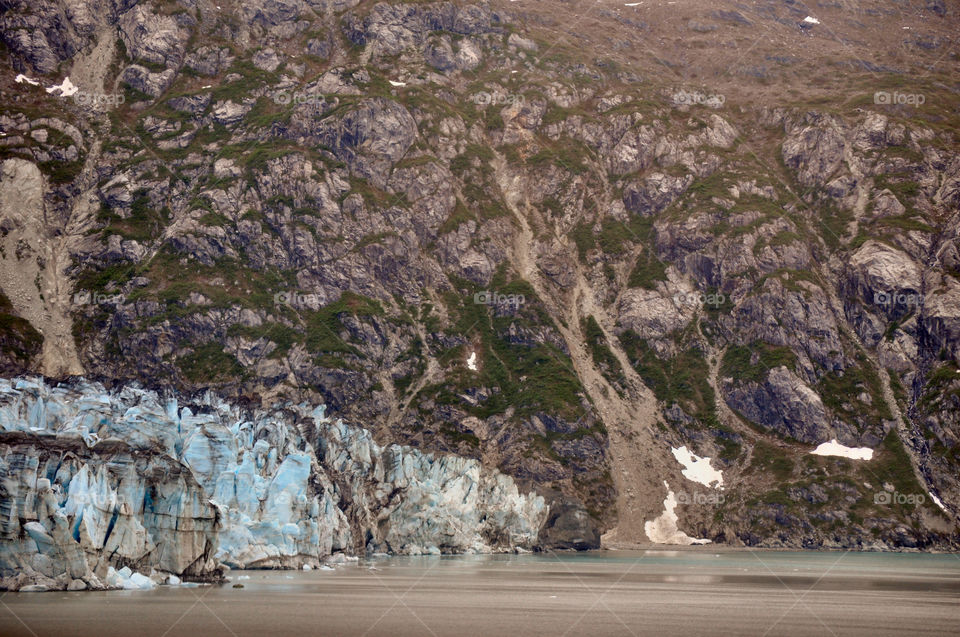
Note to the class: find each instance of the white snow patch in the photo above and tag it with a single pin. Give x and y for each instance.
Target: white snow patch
(834, 448)
(811, 20)
(937, 501)
(65, 88)
(20, 79)
(697, 469)
(663, 530)
(472, 361)
(392, 83)
(633, 4)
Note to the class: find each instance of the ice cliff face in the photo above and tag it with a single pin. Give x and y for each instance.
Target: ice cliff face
(91, 478)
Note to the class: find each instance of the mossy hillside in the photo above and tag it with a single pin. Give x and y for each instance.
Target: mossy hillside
(19, 340)
(524, 374)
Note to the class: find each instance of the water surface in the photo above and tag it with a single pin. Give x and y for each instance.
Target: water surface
(683, 593)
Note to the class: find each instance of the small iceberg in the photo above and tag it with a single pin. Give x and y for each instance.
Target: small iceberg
(129, 580)
(834, 448)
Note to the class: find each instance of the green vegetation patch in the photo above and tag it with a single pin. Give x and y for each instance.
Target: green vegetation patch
(770, 459)
(647, 271)
(600, 351)
(840, 391)
(753, 363)
(324, 327)
(527, 374)
(18, 339)
(683, 379)
(209, 363)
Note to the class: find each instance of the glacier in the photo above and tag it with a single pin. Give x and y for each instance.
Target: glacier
(122, 487)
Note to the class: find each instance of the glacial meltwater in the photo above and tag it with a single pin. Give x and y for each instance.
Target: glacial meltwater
(655, 592)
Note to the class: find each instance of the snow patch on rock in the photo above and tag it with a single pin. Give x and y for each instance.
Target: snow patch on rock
(938, 502)
(698, 469)
(834, 448)
(663, 529)
(64, 89)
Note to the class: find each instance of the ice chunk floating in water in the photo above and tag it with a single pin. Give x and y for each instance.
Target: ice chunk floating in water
(697, 469)
(834, 448)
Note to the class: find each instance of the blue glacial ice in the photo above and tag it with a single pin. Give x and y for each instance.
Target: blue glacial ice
(95, 481)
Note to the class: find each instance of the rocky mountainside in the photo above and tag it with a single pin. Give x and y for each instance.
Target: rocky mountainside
(588, 245)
